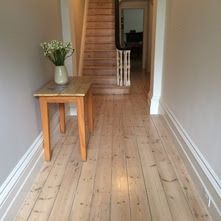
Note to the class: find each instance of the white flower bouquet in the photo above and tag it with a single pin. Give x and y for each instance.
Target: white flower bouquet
(57, 52)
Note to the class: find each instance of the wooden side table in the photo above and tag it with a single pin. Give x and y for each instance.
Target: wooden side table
(77, 91)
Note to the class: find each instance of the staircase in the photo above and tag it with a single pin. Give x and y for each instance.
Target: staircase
(99, 60)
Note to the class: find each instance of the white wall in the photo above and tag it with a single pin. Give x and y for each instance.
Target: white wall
(77, 8)
(158, 13)
(70, 62)
(133, 20)
(192, 75)
(23, 69)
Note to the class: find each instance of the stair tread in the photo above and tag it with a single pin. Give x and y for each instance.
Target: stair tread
(100, 35)
(100, 43)
(110, 89)
(99, 50)
(100, 60)
(100, 21)
(100, 1)
(102, 76)
(97, 58)
(93, 35)
(103, 79)
(98, 28)
(98, 67)
(105, 28)
(106, 7)
(111, 86)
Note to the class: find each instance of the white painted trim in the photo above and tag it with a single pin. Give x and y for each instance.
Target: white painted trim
(149, 96)
(196, 155)
(13, 190)
(17, 171)
(157, 50)
(154, 105)
(83, 39)
(19, 182)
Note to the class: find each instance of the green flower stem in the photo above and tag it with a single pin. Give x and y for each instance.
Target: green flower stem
(57, 52)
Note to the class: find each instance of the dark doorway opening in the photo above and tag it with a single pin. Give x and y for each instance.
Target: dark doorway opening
(132, 29)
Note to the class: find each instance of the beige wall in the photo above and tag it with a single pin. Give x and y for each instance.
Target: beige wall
(24, 24)
(192, 79)
(77, 19)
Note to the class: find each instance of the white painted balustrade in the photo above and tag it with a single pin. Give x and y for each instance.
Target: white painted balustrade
(123, 67)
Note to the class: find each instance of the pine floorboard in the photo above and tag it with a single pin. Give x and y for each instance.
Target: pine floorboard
(133, 171)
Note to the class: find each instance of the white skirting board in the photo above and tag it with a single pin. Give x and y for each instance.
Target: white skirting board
(204, 177)
(20, 180)
(154, 104)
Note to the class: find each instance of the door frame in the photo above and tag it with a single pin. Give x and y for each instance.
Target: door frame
(140, 5)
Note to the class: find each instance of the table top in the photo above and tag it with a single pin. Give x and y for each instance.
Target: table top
(76, 87)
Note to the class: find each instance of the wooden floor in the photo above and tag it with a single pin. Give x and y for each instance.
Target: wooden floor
(133, 171)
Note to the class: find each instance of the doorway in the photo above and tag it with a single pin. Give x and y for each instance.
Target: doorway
(132, 32)
(134, 15)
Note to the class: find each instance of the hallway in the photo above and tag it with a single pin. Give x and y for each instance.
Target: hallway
(133, 171)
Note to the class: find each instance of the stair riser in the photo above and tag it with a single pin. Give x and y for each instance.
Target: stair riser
(106, 39)
(105, 18)
(97, 25)
(100, 12)
(100, 47)
(105, 81)
(103, 5)
(106, 62)
(99, 1)
(94, 72)
(100, 54)
(114, 91)
(100, 32)
(111, 81)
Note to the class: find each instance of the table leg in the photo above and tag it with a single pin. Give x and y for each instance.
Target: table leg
(90, 111)
(45, 128)
(62, 117)
(81, 126)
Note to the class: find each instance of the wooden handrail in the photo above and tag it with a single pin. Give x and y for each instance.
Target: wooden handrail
(117, 27)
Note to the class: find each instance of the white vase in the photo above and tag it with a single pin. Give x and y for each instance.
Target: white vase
(61, 75)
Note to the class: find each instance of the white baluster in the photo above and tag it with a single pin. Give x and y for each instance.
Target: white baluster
(118, 67)
(125, 68)
(128, 83)
(121, 68)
